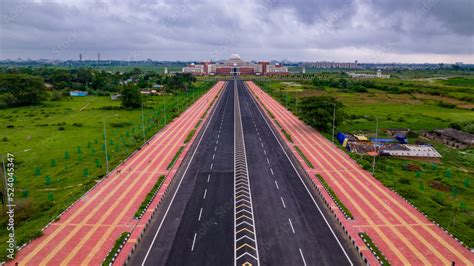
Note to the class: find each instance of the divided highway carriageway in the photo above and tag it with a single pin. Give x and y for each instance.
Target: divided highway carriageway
(241, 198)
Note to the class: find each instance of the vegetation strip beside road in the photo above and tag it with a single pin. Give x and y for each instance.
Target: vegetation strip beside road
(149, 197)
(375, 250)
(189, 136)
(116, 249)
(310, 165)
(175, 158)
(333, 195)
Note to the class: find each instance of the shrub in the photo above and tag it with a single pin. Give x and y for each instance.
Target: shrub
(446, 105)
(120, 124)
(61, 128)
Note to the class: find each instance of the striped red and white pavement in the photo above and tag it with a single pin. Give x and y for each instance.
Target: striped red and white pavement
(86, 233)
(402, 233)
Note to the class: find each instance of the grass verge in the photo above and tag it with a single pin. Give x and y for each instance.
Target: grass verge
(149, 197)
(288, 136)
(175, 158)
(109, 259)
(310, 165)
(372, 247)
(190, 136)
(333, 195)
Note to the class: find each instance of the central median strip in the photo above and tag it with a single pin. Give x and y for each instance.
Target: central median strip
(149, 197)
(333, 195)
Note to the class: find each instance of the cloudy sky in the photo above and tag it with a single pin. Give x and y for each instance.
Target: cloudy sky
(301, 30)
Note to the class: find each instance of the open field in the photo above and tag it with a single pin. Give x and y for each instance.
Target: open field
(60, 153)
(443, 191)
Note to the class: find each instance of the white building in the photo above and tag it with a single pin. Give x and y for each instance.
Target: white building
(369, 76)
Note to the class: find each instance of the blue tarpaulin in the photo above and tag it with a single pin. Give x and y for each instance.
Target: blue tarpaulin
(402, 139)
(341, 137)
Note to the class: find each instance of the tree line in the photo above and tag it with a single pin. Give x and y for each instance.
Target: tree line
(30, 86)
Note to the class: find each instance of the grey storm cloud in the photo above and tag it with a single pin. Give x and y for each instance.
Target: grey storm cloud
(306, 30)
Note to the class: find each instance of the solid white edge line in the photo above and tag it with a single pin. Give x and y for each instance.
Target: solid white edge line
(180, 181)
(301, 179)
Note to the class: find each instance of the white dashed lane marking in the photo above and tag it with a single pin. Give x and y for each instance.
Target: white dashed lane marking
(276, 184)
(302, 257)
(291, 225)
(208, 177)
(205, 193)
(271, 170)
(283, 202)
(194, 241)
(200, 213)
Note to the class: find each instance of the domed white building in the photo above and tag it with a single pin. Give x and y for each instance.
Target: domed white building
(234, 57)
(235, 66)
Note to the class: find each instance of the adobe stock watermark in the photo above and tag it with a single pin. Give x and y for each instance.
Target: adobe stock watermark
(15, 11)
(9, 171)
(65, 44)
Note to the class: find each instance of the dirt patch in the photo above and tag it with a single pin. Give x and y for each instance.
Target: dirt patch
(439, 186)
(458, 103)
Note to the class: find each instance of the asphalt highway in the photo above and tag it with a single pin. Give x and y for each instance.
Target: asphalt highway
(275, 219)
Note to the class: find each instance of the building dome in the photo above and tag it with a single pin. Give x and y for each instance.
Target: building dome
(235, 64)
(234, 57)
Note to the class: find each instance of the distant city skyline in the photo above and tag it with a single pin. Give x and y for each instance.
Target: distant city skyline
(400, 31)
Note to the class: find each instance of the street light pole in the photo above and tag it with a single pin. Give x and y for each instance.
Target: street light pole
(106, 153)
(333, 121)
(143, 125)
(375, 147)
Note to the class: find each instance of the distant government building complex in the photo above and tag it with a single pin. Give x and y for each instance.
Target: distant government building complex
(235, 66)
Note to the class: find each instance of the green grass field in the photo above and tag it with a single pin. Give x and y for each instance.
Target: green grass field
(444, 191)
(59, 150)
